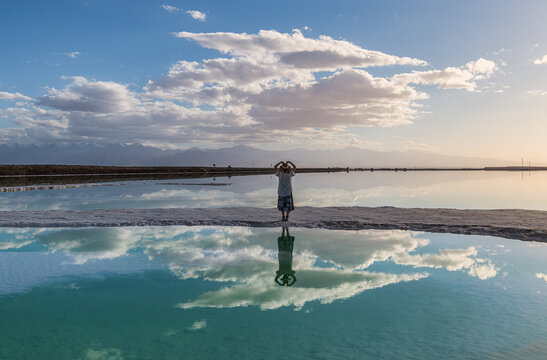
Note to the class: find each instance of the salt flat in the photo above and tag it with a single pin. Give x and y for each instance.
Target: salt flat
(530, 225)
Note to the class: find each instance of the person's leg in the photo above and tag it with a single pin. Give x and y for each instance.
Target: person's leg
(287, 216)
(282, 215)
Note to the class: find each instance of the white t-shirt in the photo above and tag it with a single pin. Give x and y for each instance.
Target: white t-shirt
(285, 187)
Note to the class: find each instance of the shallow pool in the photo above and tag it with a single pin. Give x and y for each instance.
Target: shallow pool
(228, 292)
(434, 189)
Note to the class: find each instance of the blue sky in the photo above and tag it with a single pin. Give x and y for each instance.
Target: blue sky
(449, 77)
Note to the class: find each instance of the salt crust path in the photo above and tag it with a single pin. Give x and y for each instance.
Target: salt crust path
(528, 225)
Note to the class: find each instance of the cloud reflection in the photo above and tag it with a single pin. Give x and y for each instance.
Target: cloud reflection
(323, 285)
(331, 264)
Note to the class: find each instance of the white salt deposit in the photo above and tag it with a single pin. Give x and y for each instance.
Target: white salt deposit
(514, 224)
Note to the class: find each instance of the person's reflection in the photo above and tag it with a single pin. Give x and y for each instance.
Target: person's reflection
(285, 274)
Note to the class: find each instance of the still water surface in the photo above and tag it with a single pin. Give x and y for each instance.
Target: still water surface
(223, 292)
(463, 190)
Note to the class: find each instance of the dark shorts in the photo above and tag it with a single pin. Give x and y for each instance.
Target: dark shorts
(285, 203)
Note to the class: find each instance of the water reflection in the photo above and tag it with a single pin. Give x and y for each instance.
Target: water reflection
(464, 190)
(285, 243)
(396, 285)
(331, 264)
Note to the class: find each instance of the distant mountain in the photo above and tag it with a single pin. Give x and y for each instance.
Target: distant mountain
(117, 154)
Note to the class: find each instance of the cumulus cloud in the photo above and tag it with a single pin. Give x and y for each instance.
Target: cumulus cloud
(13, 96)
(36, 124)
(196, 14)
(349, 97)
(463, 77)
(268, 87)
(324, 53)
(90, 96)
(541, 61)
(270, 77)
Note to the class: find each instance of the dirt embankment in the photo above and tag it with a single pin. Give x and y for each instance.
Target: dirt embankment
(66, 170)
(25, 175)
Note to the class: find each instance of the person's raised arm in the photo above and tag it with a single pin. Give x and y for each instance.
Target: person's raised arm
(288, 162)
(292, 164)
(277, 165)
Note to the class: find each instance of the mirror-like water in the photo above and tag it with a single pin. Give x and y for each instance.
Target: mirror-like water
(228, 292)
(464, 190)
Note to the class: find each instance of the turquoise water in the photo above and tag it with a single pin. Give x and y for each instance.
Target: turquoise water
(463, 190)
(210, 292)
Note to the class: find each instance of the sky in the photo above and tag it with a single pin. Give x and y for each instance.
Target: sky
(459, 78)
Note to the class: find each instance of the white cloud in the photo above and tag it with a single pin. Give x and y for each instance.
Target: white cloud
(90, 96)
(463, 77)
(91, 244)
(482, 67)
(170, 8)
(324, 53)
(13, 96)
(483, 271)
(198, 325)
(36, 124)
(329, 286)
(542, 276)
(266, 89)
(541, 61)
(451, 260)
(348, 97)
(72, 54)
(197, 15)
(9, 245)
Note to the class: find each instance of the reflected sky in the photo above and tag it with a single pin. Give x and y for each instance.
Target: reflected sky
(485, 190)
(331, 264)
(171, 292)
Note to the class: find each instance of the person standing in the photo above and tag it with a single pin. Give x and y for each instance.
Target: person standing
(285, 170)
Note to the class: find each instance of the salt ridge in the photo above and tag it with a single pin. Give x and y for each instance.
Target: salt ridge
(529, 225)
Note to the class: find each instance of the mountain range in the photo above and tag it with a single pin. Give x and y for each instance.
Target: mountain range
(240, 156)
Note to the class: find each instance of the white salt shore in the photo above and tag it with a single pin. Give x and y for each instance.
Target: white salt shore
(530, 225)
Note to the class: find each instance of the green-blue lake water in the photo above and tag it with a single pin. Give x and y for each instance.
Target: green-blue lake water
(211, 293)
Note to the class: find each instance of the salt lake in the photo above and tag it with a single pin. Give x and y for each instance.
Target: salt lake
(179, 292)
(218, 292)
(434, 189)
